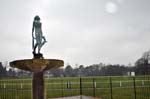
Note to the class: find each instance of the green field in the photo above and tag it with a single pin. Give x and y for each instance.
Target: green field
(105, 87)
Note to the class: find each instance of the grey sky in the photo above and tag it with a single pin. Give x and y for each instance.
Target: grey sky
(78, 31)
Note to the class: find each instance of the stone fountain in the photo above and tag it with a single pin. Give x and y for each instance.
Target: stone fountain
(37, 65)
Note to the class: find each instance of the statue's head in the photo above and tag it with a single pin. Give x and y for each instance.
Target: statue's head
(37, 18)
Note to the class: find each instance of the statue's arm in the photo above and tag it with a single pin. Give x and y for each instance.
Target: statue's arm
(33, 31)
(41, 29)
(33, 36)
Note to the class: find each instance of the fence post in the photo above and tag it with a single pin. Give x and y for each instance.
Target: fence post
(134, 87)
(80, 86)
(94, 87)
(62, 87)
(111, 88)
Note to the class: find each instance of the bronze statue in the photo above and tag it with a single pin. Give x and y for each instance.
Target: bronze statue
(38, 40)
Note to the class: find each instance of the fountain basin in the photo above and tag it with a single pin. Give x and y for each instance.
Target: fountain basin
(37, 65)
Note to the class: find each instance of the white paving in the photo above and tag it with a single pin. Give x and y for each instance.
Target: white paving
(76, 97)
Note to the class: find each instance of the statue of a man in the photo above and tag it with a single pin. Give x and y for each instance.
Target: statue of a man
(38, 40)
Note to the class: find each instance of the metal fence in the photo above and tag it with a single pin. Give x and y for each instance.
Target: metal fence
(103, 87)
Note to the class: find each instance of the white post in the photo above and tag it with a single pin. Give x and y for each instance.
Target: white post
(21, 85)
(120, 83)
(4, 85)
(95, 84)
(142, 82)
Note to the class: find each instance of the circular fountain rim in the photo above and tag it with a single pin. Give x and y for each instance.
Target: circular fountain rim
(36, 65)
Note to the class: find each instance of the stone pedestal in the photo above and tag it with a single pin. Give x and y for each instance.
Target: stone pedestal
(38, 86)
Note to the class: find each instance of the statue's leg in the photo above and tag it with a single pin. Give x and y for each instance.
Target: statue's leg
(39, 48)
(41, 43)
(34, 51)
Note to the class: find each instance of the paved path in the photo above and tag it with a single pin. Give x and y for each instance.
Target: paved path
(77, 97)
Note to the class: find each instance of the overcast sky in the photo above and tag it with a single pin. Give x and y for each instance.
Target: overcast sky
(78, 31)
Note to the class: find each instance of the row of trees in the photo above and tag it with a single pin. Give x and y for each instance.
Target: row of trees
(11, 72)
(92, 70)
(142, 67)
(2, 70)
(5, 73)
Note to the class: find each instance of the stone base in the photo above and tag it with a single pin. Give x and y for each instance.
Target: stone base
(38, 56)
